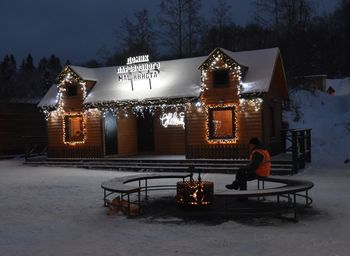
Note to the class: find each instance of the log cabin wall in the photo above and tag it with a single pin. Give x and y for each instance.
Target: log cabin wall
(196, 123)
(93, 146)
(73, 105)
(19, 121)
(214, 95)
(169, 140)
(272, 109)
(72, 98)
(248, 122)
(127, 135)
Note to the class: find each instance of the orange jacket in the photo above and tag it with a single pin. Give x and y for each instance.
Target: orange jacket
(264, 168)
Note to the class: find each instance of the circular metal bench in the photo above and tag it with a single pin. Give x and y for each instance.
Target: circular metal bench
(119, 185)
(290, 189)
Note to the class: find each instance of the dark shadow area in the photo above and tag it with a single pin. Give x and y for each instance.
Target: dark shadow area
(248, 212)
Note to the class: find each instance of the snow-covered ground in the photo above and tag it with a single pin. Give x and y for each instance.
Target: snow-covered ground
(341, 86)
(329, 118)
(58, 211)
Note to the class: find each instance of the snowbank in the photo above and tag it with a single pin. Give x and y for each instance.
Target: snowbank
(341, 86)
(329, 118)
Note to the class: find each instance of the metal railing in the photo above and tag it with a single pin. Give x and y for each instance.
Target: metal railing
(34, 145)
(298, 143)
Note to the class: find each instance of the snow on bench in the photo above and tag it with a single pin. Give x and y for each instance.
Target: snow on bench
(118, 185)
(291, 188)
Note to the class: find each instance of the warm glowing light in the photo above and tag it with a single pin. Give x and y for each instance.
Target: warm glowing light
(81, 138)
(218, 60)
(173, 119)
(139, 108)
(254, 103)
(195, 193)
(236, 124)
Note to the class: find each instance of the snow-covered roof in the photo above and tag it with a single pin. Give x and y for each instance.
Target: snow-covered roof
(260, 63)
(178, 78)
(50, 98)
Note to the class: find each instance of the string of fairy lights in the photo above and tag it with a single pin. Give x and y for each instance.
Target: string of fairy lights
(217, 60)
(65, 118)
(235, 129)
(140, 107)
(65, 78)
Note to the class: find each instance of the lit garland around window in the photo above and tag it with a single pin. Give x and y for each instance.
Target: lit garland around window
(236, 124)
(73, 114)
(218, 59)
(67, 76)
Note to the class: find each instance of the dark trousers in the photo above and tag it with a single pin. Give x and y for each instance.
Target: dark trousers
(242, 177)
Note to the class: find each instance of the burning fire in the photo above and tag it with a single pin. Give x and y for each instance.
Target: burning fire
(196, 193)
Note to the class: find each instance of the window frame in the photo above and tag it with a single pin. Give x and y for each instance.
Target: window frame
(211, 136)
(67, 139)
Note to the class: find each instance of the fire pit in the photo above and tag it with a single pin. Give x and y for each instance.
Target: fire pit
(195, 192)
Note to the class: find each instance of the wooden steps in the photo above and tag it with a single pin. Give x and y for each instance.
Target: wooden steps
(280, 167)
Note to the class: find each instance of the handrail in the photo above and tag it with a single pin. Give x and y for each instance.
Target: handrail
(300, 147)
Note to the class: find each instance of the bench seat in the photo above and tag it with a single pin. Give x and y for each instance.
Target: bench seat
(290, 188)
(119, 185)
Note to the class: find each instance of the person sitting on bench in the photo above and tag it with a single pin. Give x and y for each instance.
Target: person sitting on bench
(259, 166)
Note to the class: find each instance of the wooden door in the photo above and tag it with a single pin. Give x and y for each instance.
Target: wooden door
(111, 131)
(145, 130)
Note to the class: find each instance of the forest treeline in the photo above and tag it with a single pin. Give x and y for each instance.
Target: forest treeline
(310, 43)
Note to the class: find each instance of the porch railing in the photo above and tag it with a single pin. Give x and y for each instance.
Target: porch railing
(298, 143)
(218, 151)
(75, 152)
(34, 145)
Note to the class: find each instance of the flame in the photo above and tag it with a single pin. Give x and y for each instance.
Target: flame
(194, 193)
(198, 194)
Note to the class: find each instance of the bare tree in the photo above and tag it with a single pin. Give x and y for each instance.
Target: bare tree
(193, 25)
(283, 15)
(137, 36)
(266, 13)
(180, 22)
(222, 29)
(171, 20)
(222, 12)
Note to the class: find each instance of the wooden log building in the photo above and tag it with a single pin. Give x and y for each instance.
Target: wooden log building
(202, 107)
(21, 124)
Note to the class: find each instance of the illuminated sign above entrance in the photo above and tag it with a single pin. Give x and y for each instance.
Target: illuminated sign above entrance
(137, 59)
(138, 68)
(173, 119)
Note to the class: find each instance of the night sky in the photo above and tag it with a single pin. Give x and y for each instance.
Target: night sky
(78, 29)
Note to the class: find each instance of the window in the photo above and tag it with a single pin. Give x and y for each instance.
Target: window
(74, 128)
(71, 90)
(222, 123)
(221, 78)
